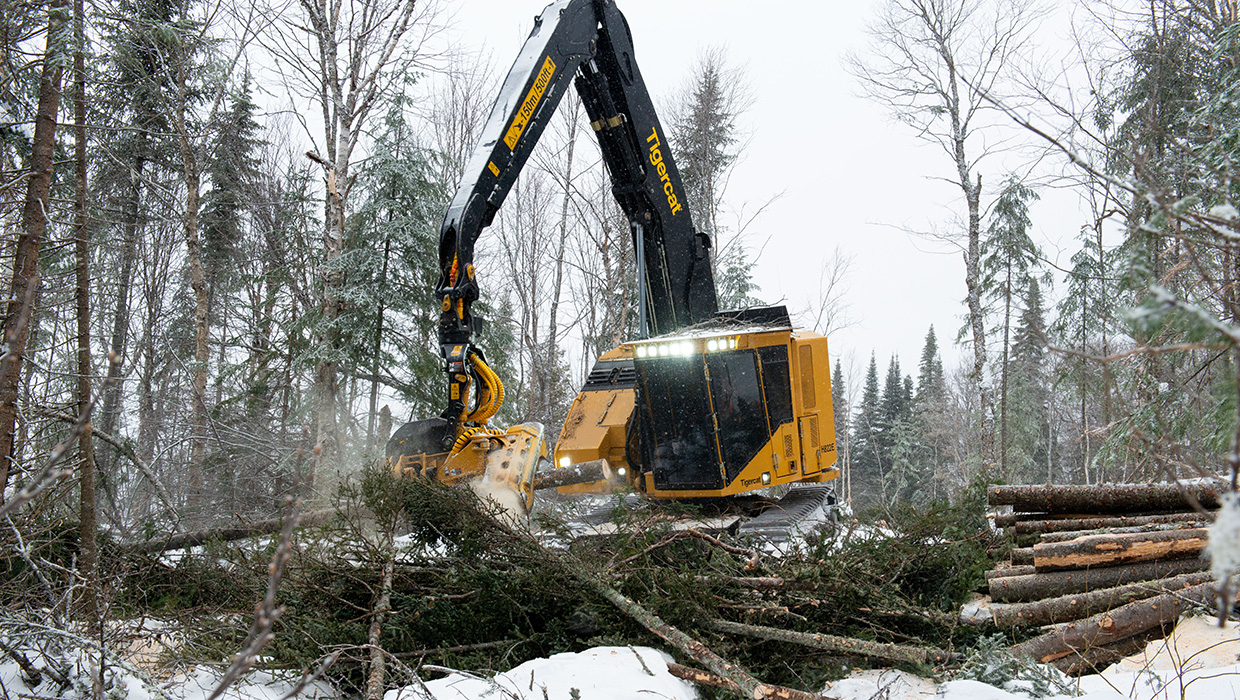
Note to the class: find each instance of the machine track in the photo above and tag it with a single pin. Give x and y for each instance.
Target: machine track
(775, 524)
(805, 507)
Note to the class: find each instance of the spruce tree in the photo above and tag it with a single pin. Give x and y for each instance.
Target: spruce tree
(232, 168)
(840, 413)
(388, 321)
(1031, 449)
(707, 140)
(930, 385)
(1085, 322)
(1009, 257)
(866, 451)
(893, 438)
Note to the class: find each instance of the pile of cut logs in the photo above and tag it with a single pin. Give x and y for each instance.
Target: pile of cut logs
(1104, 569)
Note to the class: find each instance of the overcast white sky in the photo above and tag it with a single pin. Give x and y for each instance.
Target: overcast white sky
(851, 177)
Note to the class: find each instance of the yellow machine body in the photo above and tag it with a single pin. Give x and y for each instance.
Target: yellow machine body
(724, 412)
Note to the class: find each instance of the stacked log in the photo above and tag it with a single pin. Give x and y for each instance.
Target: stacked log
(1105, 568)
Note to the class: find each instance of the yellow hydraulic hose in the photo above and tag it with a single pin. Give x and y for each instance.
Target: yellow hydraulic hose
(468, 433)
(491, 391)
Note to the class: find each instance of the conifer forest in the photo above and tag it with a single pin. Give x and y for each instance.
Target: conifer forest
(220, 249)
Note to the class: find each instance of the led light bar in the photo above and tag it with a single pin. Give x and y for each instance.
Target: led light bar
(683, 348)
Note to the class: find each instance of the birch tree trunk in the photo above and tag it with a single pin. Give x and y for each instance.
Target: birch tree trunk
(935, 63)
(192, 175)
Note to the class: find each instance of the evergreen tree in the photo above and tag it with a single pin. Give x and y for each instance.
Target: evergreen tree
(1009, 257)
(929, 410)
(1031, 450)
(930, 386)
(865, 445)
(894, 437)
(1085, 322)
(893, 407)
(232, 167)
(707, 142)
(840, 413)
(388, 321)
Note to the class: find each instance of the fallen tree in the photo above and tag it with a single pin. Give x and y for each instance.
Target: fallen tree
(1044, 525)
(228, 533)
(1020, 570)
(1106, 498)
(1095, 659)
(834, 644)
(697, 675)
(1074, 607)
(581, 473)
(1013, 589)
(1197, 524)
(1112, 626)
(1113, 550)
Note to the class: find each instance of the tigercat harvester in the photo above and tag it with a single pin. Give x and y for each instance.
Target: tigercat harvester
(707, 403)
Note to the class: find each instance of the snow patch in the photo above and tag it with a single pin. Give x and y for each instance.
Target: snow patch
(1224, 211)
(601, 673)
(880, 683)
(198, 684)
(1197, 643)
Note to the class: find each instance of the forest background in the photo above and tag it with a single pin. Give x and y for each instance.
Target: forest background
(233, 265)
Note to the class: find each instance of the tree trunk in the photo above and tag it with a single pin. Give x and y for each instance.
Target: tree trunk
(25, 284)
(1011, 589)
(376, 348)
(973, 285)
(747, 684)
(226, 534)
(109, 419)
(581, 473)
(1033, 527)
(1106, 498)
(1095, 659)
(1114, 625)
(837, 645)
(697, 675)
(1113, 550)
(1048, 537)
(326, 379)
(1074, 607)
(1020, 570)
(202, 299)
(375, 681)
(87, 521)
(1022, 556)
(1011, 519)
(1003, 378)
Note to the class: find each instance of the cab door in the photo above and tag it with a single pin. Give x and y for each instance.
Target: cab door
(807, 422)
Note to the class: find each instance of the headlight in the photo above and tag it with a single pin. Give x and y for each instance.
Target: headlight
(566, 462)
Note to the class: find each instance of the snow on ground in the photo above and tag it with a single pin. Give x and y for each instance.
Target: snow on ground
(1199, 661)
(886, 684)
(198, 684)
(601, 673)
(122, 681)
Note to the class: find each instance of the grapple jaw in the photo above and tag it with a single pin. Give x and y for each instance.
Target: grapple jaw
(498, 465)
(419, 446)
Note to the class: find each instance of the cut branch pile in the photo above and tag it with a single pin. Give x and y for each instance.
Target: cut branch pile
(1112, 565)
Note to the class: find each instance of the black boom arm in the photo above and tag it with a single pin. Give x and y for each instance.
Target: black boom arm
(588, 39)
